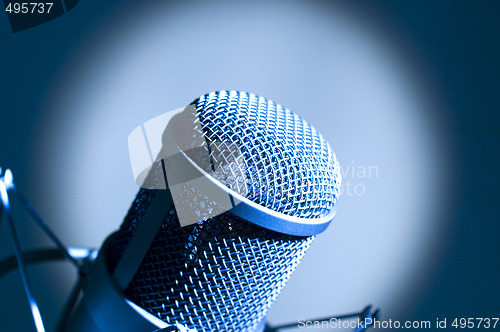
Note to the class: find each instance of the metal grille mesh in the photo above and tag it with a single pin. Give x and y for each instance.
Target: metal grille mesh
(224, 273)
(290, 167)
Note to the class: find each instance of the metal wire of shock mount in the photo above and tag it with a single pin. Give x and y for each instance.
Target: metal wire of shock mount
(366, 320)
(77, 256)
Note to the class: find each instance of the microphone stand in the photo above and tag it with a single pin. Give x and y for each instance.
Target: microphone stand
(25, 258)
(363, 316)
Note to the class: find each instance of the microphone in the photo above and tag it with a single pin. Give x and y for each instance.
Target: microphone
(271, 185)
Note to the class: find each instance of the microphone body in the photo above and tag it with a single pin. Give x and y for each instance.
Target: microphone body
(224, 272)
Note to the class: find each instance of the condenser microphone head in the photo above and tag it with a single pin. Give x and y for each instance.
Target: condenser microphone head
(224, 272)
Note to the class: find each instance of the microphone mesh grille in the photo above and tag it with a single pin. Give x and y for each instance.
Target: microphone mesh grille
(290, 167)
(224, 273)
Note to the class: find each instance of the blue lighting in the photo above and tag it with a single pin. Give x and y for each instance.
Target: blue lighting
(8, 179)
(37, 317)
(3, 194)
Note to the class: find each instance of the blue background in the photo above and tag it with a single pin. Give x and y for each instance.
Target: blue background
(455, 42)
